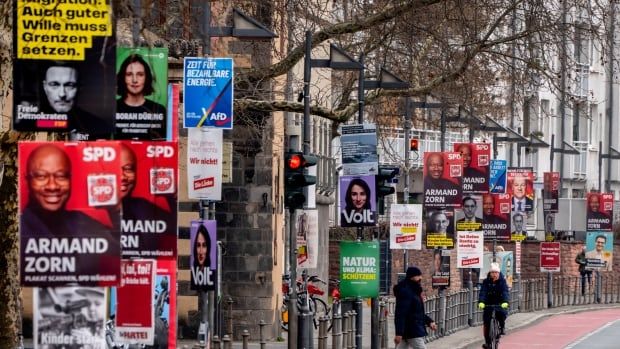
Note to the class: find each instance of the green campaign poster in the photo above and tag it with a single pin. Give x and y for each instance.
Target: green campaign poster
(359, 269)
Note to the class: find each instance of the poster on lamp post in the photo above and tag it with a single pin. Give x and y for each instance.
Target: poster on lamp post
(135, 313)
(69, 222)
(149, 199)
(496, 216)
(406, 226)
(521, 188)
(443, 172)
(599, 250)
(358, 204)
(208, 92)
(141, 93)
(599, 211)
(497, 176)
(69, 317)
(204, 163)
(550, 257)
(476, 159)
(469, 249)
(359, 269)
(203, 254)
(551, 191)
(63, 72)
(359, 149)
(307, 229)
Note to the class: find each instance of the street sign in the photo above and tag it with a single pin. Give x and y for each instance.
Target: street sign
(549, 256)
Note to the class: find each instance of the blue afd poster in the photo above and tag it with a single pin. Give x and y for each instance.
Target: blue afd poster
(208, 92)
(497, 176)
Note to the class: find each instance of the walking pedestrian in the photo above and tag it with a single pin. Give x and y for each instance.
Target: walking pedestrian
(582, 261)
(410, 320)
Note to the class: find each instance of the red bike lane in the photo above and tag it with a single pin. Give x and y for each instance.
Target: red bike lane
(558, 331)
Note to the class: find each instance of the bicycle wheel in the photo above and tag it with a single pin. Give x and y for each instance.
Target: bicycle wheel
(319, 310)
(494, 333)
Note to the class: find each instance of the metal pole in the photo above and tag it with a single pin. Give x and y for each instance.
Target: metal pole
(292, 300)
(549, 290)
(304, 339)
(360, 92)
(407, 153)
(551, 155)
(375, 338)
(470, 296)
(611, 89)
(203, 296)
(358, 305)
(600, 165)
(135, 27)
(563, 90)
(307, 75)
(206, 27)
(443, 130)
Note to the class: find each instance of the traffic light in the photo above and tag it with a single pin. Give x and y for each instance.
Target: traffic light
(414, 144)
(295, 179)
(384, 178)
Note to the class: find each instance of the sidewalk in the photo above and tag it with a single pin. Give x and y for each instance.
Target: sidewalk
(468, 338)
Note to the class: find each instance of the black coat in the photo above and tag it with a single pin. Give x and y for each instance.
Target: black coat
(410, 320)
(494, 293)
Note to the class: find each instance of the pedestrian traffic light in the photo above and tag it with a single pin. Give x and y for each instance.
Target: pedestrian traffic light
(295, 179)
(384, 178)
(414, 144)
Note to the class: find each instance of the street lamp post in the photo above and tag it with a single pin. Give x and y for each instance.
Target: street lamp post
(387, 81)
(244, 27)
(613, 155)
(300, 334)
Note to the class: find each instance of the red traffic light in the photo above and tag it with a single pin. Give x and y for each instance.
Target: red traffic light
(294, 161)
(414, 144)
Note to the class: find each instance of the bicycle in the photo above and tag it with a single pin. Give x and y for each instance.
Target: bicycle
(336, 308)
(494, 329)
(317, 306)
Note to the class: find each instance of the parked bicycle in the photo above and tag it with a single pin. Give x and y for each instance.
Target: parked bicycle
(317, 307)
(336, 307)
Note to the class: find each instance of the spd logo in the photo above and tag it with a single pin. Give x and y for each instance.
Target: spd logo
(102, 190)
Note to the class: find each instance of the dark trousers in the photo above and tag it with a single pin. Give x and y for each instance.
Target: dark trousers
(500, 315)
(585, 273)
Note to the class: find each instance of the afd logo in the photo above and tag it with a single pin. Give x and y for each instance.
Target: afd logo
(219, 119)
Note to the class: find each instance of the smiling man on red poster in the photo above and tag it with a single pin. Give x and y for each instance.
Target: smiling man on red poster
(476, 159)
(66, 233)
(148, 199)
(442, 179)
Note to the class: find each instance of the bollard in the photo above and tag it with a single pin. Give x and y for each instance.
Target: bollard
(245, 334)
(353, 333)
(323, 332)
(216, 342)
(227, 342)
(261, 333)
(336, 331)
(345, 330)
(229, 322)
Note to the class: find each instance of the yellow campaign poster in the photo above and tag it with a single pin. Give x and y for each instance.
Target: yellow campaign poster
(64, 69)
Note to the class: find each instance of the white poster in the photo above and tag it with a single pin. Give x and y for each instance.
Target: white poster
(204, 163)
(359, 149)
(406, 226)
(307, 228)
(469, 249)
(69, 317)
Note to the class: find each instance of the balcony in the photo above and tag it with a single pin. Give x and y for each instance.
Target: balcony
(576, 166)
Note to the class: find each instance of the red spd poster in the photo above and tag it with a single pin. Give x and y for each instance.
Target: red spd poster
(69, 232)
(599, 211)
(496, 216)
(148, 199)
(551, 191)
(521, 188)
(476, 160)
(134, 302)
(442, 179)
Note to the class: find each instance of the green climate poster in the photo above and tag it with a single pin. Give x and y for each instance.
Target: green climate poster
(359, 269)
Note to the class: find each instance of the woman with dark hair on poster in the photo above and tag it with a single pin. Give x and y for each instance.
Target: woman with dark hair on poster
(357, 197)
(202, 248)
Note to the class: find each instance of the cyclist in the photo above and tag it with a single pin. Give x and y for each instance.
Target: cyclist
(494, 291)
(410, 320)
